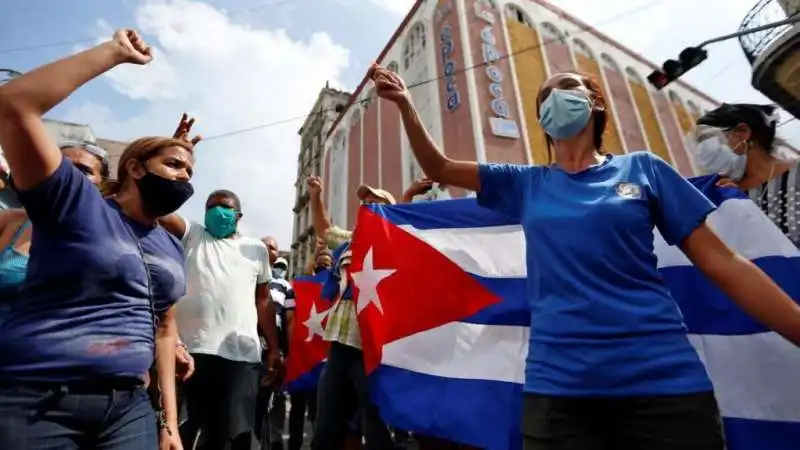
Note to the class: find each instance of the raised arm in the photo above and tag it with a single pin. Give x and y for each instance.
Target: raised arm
(434, 163)
(32, 156)
(319, 214)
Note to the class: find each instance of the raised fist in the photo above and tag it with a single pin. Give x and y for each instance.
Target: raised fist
(388, 84)
(314, 185)
(131, 47)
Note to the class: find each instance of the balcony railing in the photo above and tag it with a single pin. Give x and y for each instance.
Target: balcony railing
(764, 13)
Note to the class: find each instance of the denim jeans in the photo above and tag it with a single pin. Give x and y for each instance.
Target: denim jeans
(343, 389)
(95, 416)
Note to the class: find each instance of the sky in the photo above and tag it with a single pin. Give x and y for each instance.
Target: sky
(243, 64)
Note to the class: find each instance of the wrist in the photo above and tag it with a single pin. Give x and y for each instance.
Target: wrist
(115, 51)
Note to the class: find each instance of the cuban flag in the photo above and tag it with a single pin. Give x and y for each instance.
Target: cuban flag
(308, 350)
(444, 321)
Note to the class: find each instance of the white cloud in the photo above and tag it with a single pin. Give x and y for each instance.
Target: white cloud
(399, 7)
(231, 76)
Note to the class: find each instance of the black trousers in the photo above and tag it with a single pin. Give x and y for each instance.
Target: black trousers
(677, 422)
(221, 401)
(300, 403)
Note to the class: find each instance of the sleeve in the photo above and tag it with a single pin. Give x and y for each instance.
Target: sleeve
(63, 201)
(264, 270)
(335, 236)
(504, 187)
(192, 230)
(680, 207)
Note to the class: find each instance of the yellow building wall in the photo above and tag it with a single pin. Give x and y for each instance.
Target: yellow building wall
(611, 141)
(531, 74)
(684, 119)
(649, 121)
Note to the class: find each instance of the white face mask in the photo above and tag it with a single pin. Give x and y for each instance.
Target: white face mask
(712, 152)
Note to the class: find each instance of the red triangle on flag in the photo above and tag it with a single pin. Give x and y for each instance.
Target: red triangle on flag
(425, 290)
(306, 353)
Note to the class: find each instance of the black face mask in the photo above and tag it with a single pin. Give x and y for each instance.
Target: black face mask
(162, 196)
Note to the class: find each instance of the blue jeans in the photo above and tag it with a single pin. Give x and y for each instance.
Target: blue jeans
(343, 391)
(52, 417)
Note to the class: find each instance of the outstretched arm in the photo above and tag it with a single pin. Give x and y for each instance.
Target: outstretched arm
(31, 154)
(746, 284)
(432, 160)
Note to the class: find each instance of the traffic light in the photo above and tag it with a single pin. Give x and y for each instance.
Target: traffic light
(672, 69)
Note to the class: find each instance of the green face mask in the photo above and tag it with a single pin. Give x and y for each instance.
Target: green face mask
(221, 221)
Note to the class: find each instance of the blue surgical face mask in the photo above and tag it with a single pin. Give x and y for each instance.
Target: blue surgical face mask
(221, 221)
(717, 157)
(564, 113)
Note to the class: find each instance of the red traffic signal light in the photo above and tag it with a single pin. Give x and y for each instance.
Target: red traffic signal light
(688, 59)
(658, 79)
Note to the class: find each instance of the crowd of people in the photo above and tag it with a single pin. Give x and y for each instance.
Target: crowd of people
(125, 326)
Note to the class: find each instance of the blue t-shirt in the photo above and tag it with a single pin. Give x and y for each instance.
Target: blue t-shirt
(84, 311)
(603, 322)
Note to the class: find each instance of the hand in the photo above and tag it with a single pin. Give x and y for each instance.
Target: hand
(184, 128)
(274, 367)
(726, 182)
(131, 48)
(418, 187)
(388, 84)
(314, 185)
(169, 439)
(184, 363)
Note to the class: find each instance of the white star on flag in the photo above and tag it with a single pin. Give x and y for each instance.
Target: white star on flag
(314, 322)
(367, 281)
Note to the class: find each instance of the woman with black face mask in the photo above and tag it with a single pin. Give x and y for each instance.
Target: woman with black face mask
(102, 276)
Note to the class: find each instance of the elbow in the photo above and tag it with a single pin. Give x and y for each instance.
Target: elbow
(438, 173)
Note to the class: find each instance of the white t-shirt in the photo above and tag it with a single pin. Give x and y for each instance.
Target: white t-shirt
(218, 314)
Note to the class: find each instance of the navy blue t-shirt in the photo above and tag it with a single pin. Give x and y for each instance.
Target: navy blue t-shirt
(603, 322)
(84, 312)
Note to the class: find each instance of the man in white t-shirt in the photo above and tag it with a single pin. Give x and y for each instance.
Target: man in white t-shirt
(226, 303)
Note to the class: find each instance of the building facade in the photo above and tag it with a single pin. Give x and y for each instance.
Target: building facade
(327, 108)
(474, 68)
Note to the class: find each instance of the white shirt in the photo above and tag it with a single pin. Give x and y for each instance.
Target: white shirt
(218, 314)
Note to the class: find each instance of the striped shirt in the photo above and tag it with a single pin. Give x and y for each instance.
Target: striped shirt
(342, 326)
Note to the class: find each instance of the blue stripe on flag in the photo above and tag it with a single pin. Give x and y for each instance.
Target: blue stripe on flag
(706, 310)
(436, 406)
(307, 381)
(459, 213)
(746, 434)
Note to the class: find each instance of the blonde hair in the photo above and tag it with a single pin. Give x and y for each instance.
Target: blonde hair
(140, 150)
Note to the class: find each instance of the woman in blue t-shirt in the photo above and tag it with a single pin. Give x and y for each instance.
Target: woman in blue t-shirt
(102, 276)
(609, 363)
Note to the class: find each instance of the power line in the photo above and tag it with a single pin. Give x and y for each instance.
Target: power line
(369, 98)
(93, 39)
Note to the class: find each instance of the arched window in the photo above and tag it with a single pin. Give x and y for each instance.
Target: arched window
(634, 76)
(582, 48)
(415, 44)
(355, 118)
(609, 63)
(675, 98)
(367, 98)
(393, 66)
(514, 12)
(694, 109)
(552, 34)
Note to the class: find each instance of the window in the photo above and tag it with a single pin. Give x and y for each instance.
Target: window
(338, 176)
(393, 66)
(367, 98)
(634, 76)
(415, 44)
(693, 108)
(609, 63)
(583, 49)
(673, 96)
(514, 12)
(355, 119)
(552, 34)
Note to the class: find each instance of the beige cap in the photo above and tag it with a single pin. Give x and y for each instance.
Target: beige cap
(365, 190)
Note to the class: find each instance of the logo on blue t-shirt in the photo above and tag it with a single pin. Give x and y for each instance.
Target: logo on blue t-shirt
(629, 190)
